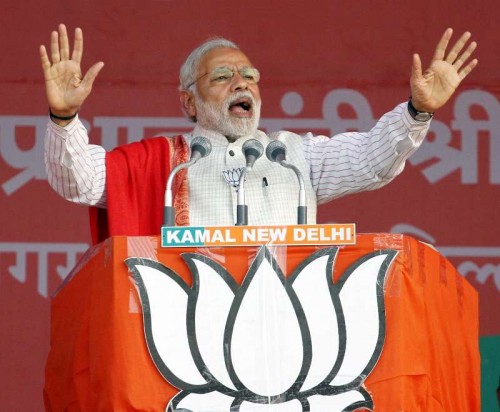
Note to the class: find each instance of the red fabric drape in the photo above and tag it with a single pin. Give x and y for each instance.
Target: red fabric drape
(136, 177)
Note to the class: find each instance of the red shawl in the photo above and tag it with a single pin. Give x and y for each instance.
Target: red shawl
(136, 177)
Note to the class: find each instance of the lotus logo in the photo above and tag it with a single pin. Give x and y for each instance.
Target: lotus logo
(232, 176)
(302, 343)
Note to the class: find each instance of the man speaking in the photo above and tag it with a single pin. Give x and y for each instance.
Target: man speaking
(219, 92)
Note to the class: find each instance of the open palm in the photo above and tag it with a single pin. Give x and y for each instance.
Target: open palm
(432, 88)
(66, 88)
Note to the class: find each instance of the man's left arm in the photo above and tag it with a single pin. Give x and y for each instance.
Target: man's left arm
(354, 162)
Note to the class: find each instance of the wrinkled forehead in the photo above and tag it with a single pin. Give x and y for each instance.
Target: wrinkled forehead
(222, 57)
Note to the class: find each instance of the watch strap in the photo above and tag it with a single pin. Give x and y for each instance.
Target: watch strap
(421, 116)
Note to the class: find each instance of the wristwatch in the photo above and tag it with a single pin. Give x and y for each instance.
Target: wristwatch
(420, 116)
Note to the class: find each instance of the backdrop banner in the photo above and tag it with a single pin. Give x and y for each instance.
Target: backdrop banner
(326, 68)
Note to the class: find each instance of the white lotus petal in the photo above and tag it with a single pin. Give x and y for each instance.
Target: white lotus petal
(334, 403)
(204, 402)
(266, 344)
(361, 314)
(313, 292)
(290, 406)
(215, 298)
(168, 306)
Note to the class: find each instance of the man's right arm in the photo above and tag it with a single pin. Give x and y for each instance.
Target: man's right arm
(76, 169)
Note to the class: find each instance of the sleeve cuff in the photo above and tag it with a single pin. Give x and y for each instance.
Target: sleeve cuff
(64, 131)
(409, 121)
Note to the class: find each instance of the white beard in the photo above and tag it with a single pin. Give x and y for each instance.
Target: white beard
(216, 118)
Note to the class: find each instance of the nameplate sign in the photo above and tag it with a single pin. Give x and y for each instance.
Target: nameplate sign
(328, 234)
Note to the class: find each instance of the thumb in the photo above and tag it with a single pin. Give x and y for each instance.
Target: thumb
(416, 68)
(90, 76)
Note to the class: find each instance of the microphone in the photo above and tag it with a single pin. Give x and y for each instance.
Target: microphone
(276, 152)
(252, 149)
(200, 148)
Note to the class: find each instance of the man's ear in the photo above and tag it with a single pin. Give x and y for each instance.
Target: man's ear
(188, 103)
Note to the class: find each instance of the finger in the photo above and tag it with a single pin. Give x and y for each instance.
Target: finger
(467, 69)
(78, 47)
(54, 47)
(442, 45)
(457, 47)
(416, 68)
(44, 58)
(465, 55)
(63, 42)
(91, 74)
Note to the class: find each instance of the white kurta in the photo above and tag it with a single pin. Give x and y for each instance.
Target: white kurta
(331, 166)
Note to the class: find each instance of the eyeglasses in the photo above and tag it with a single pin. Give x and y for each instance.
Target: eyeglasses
(223, 75)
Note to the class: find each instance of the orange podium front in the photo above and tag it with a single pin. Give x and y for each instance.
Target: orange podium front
(387, 325)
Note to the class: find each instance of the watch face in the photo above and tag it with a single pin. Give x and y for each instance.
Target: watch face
(423, 117)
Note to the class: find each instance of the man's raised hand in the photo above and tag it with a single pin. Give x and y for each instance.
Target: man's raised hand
(66, 88)
(432, 88)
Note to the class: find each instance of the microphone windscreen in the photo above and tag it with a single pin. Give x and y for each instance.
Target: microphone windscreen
(276, 151)
(252, 147)
(201, 145)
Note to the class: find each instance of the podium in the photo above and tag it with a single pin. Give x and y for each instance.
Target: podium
(108, 336)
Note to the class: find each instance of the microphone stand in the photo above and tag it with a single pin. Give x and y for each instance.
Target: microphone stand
(276, 152)
(241, 206)
(169, 210)
(252, 149)
(200, 147)
(301, 208)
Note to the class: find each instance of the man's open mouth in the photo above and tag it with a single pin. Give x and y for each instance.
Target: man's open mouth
(241, 106)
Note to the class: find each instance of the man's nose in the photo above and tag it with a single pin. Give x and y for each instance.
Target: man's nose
(238, 82)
